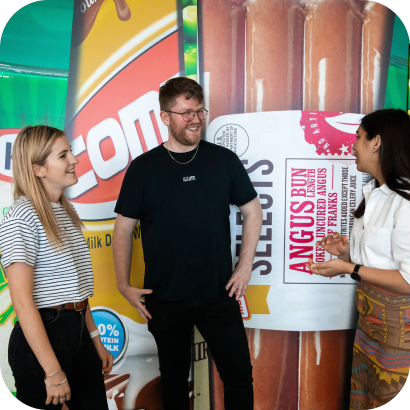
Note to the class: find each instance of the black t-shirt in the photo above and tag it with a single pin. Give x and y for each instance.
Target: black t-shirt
(184, 215)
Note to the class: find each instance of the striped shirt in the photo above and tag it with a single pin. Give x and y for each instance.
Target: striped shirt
(60, 276)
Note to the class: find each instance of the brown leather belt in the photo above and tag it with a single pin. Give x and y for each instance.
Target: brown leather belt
(77, 306)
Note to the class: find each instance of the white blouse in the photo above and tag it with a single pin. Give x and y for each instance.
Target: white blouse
(381, 237)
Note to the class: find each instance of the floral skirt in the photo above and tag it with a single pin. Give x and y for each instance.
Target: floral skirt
(381, 352)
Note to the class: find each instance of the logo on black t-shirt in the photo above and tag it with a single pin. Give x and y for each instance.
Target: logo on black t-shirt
(187, 179)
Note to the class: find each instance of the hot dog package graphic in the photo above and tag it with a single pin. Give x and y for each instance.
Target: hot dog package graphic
(301, 165)
(328, 55)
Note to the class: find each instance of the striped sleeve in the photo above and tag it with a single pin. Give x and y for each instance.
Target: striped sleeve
(18, 242)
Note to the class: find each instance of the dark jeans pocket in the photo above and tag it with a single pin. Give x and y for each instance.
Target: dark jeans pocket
(49, 316)
(13, 342)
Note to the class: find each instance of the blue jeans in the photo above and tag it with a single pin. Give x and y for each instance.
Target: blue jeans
(76, 354)
(220, 323)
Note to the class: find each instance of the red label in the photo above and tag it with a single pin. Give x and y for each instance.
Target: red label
(7, 137)
(107, 110)
(331, 133)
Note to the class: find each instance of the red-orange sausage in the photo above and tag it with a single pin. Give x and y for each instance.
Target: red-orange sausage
(222, 41)
(274, 48)
(216, 388)
(274, 39)
(325, 369)
(332, 55)
(274, 357)
(377, 37)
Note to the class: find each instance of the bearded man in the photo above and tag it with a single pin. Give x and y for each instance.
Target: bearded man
(181, 192)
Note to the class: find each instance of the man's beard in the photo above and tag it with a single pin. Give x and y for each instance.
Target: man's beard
(180, 133)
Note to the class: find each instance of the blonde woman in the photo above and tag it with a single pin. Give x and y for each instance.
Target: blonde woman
(54, 351)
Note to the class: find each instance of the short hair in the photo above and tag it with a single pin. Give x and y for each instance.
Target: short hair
(175, 87)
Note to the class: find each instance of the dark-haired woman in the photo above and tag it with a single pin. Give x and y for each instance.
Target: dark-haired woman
(379, 259)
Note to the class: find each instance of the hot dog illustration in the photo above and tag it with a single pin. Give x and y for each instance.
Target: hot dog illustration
(222, 41)
(274, 357)
(325, 369)
(332, 83)
(332, 54)
(315, 55)
(274, 36)
(274, 55)
(216, 388)
(377, 38)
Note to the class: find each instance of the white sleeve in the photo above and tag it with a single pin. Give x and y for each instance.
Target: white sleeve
(18, 242)
(401, 242)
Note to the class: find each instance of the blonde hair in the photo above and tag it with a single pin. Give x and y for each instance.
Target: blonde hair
(32, 146)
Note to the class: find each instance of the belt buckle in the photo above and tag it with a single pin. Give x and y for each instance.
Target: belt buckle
(75, 307)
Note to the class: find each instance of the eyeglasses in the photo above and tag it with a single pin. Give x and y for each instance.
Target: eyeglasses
(189, 116)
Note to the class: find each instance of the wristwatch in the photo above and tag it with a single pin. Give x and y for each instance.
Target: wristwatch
(355, 275)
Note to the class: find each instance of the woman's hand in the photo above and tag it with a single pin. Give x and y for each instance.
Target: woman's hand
(20, 276)
(105, 356)
(335, 244)
(57, 394)
(330, 268)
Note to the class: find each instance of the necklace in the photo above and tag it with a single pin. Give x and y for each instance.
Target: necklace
(182, 163)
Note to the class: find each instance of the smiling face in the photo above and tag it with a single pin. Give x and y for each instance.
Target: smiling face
(187, 134)
(58, 172)
(366, 153)
(362, 150)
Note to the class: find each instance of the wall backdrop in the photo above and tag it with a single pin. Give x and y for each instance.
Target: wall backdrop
(286, 84)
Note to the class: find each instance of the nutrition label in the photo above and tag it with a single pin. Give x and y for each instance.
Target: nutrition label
(320, 196)
(302, 167)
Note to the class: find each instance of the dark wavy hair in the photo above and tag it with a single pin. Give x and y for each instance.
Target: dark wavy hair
(393, 126)
(175, 87)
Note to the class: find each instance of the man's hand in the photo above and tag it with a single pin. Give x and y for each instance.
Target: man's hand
(251, 230)
(239, 281)
(122, 253)
(133, 295)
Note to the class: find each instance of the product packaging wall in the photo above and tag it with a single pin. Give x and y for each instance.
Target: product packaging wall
(286, 83)
(327, 58)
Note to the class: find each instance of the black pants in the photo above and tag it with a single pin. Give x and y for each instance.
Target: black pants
(220, 324)
(76, 354)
